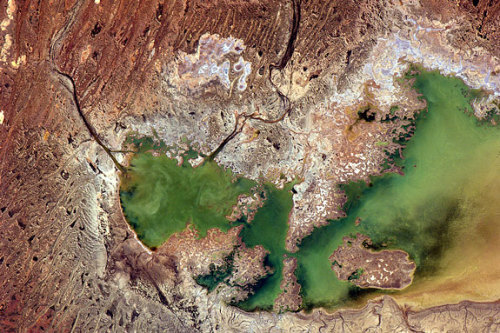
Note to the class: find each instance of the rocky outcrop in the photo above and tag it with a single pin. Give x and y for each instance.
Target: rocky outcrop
(289, 299)
(247, 207)
(387, 269)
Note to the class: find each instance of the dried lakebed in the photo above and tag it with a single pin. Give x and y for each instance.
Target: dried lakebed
(450, 160)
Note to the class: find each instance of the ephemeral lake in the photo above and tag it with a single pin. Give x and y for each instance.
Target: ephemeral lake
(444, 211)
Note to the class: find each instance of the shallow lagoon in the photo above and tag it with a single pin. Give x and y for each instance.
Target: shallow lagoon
(423, 212)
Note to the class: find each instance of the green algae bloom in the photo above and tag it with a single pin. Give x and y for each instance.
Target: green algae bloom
(160, 197)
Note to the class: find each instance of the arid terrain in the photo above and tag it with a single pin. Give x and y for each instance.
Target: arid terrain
(282, 90)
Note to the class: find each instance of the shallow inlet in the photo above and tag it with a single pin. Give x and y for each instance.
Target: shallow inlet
(441, 211)
(269, 229)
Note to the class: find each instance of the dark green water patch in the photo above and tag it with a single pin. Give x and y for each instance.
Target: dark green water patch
(269, 229)
(217, 274)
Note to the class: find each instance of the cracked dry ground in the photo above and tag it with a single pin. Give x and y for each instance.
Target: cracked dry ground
(68, 260)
